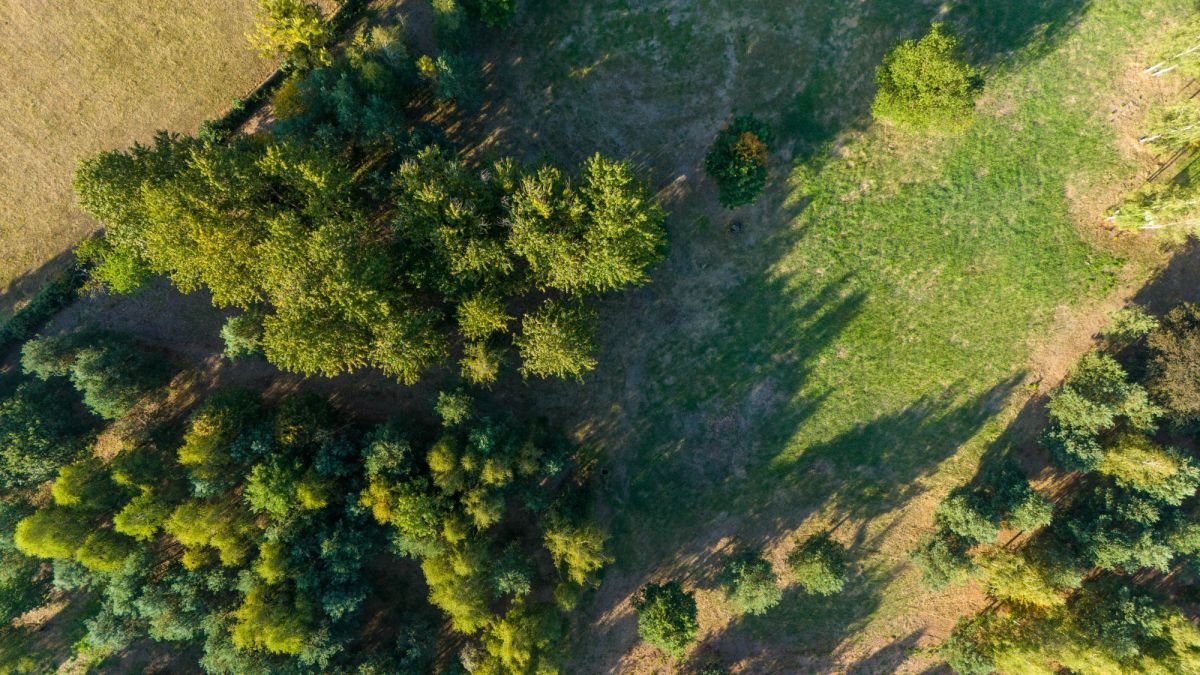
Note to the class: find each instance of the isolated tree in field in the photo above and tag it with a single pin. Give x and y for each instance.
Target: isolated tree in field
(750, 584)
(667, 617)
(737, 160)
(819, 565)
(926, 83)
(292, 29)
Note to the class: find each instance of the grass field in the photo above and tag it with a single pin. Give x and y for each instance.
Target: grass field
(843, 359)
(86, 76)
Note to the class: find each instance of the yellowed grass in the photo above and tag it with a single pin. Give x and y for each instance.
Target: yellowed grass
(78, 77)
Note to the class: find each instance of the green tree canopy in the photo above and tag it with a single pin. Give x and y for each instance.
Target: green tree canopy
(926, 83)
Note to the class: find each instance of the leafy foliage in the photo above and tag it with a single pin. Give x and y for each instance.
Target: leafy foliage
(737, 160)
(926, 83)
(751, 586)
(819, 565)
(1174, 368)
(293, 29)
(667, 617)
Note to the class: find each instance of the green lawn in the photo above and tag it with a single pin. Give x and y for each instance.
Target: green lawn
(845, 357)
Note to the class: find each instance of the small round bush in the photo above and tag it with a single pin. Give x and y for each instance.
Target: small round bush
(750, 584)
(819, 565)
(737, 161)
(667, 617)
(926, 83)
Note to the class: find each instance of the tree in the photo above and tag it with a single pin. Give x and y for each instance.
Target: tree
(1174, 365)
(750, 584)
(943, 559)
(667, 617)
(576, 547)
(37, 433)
(965, 515)
(1137, 463)
(51, 532)
(926, 83)
(242, 335)
(737, 160)
(602, 236)
(819, 565)
(1095, 398)
(557, 341)
(292, 29)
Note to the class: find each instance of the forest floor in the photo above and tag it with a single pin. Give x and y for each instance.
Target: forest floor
(890, 308)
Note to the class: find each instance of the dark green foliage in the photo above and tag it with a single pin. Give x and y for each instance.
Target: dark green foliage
(55, 294)
(943, 559)
(968, 649)
(242, 334)
(1095, 399)
(965, 514)
(493, 13)
(750, 584)
(512, 573)
(38, 433)
(109, 370)
(926, 83)
(1174, 368)
(23, 582)
(667, 617)
(1118, 530)
(819, 565)
(737, 160)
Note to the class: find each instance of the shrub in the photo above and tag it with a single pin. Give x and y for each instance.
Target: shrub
(1128, 324)
(737, 161)
(750, 583)
(969, 649)
(819, 565)
(926, 83)
(667, 617)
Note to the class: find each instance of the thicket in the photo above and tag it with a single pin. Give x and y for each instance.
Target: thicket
(926, 83)
(360, 242)
(1101, 582)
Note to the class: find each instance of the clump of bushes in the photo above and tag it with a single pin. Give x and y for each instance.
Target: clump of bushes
(737, 161)
(926, 83)
(819, 565)
(667, 617)
(750, 583)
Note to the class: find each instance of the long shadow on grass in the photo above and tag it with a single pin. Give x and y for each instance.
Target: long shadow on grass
(21, 289)
(654, 80)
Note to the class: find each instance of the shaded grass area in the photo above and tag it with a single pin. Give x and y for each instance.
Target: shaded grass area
(83, 77)
(847, 355)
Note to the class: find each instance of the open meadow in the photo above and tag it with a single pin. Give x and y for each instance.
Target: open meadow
(842, 360)
(88, 76)
(834, 358)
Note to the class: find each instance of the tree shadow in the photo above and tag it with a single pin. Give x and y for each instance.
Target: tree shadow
(23, 288)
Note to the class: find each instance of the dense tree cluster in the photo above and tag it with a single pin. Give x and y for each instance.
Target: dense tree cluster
(1097, 586)
(926, 83)
(248, 533)
(357, 243)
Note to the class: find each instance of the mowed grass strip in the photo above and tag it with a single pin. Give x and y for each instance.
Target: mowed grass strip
(80, 77)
